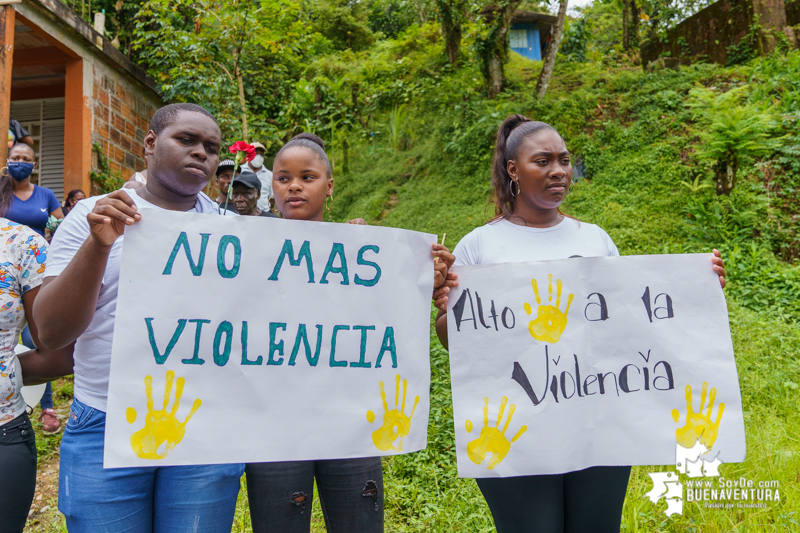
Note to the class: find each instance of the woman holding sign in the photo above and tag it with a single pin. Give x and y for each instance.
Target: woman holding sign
(351, 490)
(531, 176)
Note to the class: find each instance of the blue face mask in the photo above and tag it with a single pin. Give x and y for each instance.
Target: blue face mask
(20, 170)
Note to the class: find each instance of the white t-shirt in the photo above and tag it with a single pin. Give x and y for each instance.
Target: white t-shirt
(138, 176)
(92, 353)
(506, 242)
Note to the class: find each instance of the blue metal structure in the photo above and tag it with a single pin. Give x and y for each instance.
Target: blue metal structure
(524, 40)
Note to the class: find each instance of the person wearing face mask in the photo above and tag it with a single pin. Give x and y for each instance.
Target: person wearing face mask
(20, 200)
(25, 203)
(256, 166)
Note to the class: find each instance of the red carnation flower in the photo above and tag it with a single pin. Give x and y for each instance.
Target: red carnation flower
(243, 151)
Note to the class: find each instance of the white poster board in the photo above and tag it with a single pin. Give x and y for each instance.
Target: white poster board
(590, 361)
(283, 340)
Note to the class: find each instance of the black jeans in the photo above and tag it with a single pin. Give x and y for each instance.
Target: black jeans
(350, 490)
(17, 473)
(586, 501)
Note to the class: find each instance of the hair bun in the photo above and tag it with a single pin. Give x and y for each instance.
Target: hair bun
(510, 123)
(311, 137)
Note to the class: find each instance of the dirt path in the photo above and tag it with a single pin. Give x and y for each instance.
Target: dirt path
(44, 515)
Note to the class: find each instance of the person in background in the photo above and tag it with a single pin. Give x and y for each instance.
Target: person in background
(74, 196)
(78, 303)
(223, 181)
(264, 175)
(22, 256)
(246, 193)
(25, 203)
(18, 134)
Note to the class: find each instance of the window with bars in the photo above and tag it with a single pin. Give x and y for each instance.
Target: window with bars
(44, 120)
(518, 38)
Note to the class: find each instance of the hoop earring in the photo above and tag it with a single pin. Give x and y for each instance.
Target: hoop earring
(328, 207)
(4, 172)
(511, 188)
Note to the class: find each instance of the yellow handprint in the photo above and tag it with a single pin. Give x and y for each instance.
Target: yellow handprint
(395, 422)
(698, 425)
(491, 439)
(550, 322)
(162, 431)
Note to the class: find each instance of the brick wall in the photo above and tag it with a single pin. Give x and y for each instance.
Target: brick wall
(121, 118)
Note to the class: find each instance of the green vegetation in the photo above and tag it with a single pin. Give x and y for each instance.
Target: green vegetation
(410, 134)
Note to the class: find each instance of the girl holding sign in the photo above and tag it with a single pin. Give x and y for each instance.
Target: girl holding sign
(531, 176)
(351, 490)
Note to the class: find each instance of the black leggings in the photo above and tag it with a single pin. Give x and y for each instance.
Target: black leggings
(17, 473)
(350, 490)
(586, 501)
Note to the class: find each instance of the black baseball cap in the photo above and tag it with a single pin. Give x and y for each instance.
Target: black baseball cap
(248, 179)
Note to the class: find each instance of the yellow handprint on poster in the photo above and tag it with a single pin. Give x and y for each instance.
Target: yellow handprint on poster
(699, 426)
(396, 424)
(162, 431)
(492, 440)
(550, 321)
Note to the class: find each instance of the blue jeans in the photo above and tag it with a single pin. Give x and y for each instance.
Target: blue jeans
(47, 398)
(141, 500)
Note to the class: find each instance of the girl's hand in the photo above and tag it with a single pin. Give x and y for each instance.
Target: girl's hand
(440, 294)
(442, 262)
(358, 221)
(719, 267)
(109, 217)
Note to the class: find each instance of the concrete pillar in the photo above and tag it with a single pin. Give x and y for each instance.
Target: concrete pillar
(6, 59)
(77, 130)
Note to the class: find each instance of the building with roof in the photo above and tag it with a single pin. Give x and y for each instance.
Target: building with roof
(530, 33)
(74, 92)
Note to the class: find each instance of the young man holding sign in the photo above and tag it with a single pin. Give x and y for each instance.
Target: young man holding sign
(79, 305)
(531, 176)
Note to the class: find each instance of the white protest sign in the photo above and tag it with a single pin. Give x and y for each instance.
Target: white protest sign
(561, 365)
(248, 339)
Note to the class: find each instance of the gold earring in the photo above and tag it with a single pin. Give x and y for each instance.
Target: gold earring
(4, 172)
(328, 207)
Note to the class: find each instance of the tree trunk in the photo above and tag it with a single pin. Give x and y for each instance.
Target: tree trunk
(626, 31)
(495, 47)
(496, 77)
(634, 25)
(451, 13)
(552, 51)
(242, 102)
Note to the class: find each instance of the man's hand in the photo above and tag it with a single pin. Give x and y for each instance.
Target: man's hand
(109, 217)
